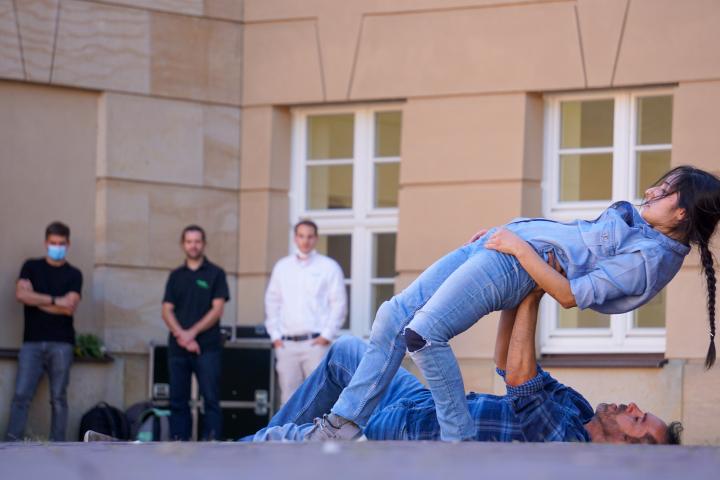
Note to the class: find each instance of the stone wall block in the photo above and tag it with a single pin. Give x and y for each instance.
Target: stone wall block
(512, 48)
(221, 147)
(196, 58)
(701, 396)
(11, 61)
(668, 41)
(153, 140)
(483, 125)
(102, 47)
(286, 64)
(37, 20)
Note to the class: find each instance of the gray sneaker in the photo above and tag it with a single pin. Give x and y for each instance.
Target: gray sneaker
(333, 427)
(93, 436)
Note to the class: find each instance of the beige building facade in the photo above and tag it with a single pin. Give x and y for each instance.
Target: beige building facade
(401, 126)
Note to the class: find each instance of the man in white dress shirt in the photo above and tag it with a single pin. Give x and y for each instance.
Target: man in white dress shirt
(305, 306)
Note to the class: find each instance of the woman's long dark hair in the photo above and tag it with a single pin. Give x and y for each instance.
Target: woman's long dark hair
(699, 194)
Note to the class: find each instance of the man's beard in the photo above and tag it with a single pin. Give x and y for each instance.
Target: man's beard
(607, 420)
(194, 255)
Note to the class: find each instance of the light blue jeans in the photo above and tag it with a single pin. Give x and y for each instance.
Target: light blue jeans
(444, 301)
(55, 358)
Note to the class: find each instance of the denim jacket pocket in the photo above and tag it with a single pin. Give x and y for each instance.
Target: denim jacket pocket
(600, 239)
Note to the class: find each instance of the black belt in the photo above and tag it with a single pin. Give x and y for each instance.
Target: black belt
(300, 338)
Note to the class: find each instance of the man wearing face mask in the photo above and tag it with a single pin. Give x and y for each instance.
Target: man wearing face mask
(305, 306)
(49, 288)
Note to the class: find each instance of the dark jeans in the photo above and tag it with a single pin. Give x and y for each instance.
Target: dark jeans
(207, 368)
(55, 358)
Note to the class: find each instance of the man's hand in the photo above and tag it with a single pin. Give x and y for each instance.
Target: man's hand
(192, 347)
(184, 337)
(69, 301)
(278, 343)
(321, 341)
(505, 241)
(477, 235)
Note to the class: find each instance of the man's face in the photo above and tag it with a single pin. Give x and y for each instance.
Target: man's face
(305, 239)
(193, 245)
(628, 424)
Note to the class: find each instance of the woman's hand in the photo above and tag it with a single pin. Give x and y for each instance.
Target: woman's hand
(477, 235)
(505, 241)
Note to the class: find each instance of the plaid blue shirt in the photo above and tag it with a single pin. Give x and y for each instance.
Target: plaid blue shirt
(540, 410)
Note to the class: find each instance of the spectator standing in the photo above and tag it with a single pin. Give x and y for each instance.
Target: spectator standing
(50, 290)
(305, 306)
(194, 300)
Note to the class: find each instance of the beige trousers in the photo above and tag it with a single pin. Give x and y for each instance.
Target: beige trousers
(294, 362)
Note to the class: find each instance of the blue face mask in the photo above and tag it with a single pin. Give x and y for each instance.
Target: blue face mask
(57, 252)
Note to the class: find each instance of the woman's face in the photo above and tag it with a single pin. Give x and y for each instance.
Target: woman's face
(660, 209)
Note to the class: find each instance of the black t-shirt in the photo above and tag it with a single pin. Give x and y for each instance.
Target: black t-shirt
(41, 326)
(192, 293)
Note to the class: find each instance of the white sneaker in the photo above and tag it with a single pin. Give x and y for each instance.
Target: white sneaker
(93, 436)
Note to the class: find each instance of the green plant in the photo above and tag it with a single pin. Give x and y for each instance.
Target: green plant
(89, 345)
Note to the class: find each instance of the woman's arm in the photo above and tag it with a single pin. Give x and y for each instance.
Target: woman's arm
(547, 278)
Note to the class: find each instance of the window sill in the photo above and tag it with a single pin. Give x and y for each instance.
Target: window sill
(12, 354)
(604, 360)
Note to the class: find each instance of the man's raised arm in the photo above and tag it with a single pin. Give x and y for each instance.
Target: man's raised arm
(521, 361)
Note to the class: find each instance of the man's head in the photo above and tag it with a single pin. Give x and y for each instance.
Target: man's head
(306, 236)
(192, 241)
(57, 240)
(628, 424)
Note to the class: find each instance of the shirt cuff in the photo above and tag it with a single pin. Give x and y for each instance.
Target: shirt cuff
(583, 291)
(530, 387)
(500, 372)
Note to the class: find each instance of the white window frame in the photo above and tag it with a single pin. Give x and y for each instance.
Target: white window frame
(621, 337)
(363, 220)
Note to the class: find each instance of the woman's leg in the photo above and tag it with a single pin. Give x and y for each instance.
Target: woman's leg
(487, 282)
(387, 345)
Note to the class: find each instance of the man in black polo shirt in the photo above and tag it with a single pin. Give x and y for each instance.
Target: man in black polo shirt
(50, 290)
(195, 296)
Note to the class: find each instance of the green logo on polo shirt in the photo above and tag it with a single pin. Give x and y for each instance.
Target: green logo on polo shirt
(202, 284)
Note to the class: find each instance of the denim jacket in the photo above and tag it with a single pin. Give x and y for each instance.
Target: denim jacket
(615, 263)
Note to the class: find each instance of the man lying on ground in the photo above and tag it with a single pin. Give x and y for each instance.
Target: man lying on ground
(536, 408)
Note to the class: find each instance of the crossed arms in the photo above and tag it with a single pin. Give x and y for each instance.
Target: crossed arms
(65, 305)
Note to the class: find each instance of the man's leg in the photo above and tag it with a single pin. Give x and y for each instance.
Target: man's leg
(30, 368)
(322, 387)
(58, 358)
(288, 368)
(180, 369)
(208, 369)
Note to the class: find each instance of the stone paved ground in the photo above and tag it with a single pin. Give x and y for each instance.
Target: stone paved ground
(349, 461)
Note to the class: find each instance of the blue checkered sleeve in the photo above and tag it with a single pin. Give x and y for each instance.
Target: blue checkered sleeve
(530, 387)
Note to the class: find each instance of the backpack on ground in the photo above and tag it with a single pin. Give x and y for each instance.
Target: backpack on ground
(154, 426)
(104, 418)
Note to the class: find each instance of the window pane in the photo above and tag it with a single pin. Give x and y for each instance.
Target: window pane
(654, 119)
(586, 177)
(387, 178)
(387, 134)
(384, 255)
(339, 248)
(652, 314)
(587, 123)
(330, 136)
(575, 318)
(329, 187)
(380, 293)
(650, 167)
